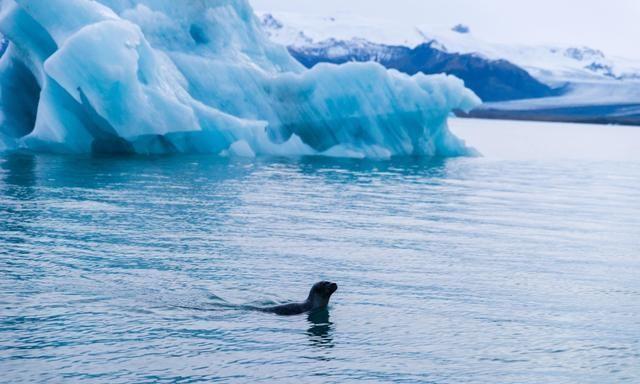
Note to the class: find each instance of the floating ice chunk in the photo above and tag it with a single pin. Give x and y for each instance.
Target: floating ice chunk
(160, 76)
(241, 148)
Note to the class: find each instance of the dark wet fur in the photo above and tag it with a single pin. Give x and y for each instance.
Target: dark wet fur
(318, 299)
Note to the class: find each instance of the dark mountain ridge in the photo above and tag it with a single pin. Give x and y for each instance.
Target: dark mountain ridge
(492, 80)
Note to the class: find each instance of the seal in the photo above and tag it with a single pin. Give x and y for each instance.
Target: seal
(318, 299)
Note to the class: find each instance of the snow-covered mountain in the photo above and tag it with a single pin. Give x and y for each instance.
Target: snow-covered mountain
(574, 81)
(550, 63)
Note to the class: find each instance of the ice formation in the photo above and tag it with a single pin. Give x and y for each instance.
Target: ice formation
(164, 76)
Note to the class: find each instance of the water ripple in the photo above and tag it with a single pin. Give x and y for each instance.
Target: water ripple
(457, 271)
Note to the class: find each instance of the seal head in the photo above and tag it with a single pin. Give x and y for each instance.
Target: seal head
(321, 293)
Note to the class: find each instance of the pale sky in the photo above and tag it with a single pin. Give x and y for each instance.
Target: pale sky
(612, 25)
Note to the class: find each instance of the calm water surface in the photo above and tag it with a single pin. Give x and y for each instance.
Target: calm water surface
(516, 267)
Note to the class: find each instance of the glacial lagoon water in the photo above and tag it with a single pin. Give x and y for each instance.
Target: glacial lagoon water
(520, 266)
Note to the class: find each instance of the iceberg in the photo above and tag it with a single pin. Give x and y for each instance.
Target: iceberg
(165, 76)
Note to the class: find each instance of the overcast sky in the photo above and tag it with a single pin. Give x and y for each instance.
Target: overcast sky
(612, 25)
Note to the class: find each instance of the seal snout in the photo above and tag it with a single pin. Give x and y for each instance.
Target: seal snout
(333, 287)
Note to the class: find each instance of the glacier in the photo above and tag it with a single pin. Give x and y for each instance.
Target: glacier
(162, 76)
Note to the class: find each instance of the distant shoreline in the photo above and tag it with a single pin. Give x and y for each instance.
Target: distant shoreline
(601, 114)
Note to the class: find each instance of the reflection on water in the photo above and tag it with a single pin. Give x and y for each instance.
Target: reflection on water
(320, 328)
(19, 174)
(451, 271)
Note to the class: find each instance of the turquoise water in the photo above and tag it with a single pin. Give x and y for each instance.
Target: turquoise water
(514, 267)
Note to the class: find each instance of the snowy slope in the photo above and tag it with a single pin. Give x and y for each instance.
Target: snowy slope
(549, 63)
(585, 76)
